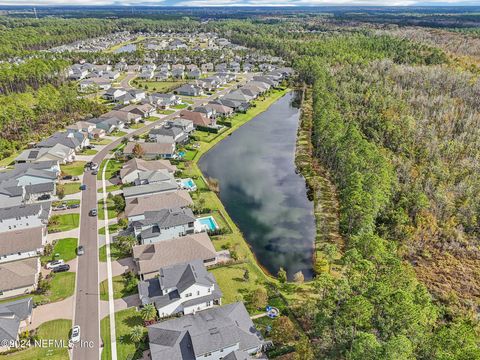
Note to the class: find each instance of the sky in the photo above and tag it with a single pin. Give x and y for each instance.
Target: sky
(204, 3)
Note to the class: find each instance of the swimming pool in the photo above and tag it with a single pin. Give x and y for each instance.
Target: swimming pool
(208, 223)
(187, 184)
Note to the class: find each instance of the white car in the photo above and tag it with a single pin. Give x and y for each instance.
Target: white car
(75, 337)
(94, 166)
(54, 264)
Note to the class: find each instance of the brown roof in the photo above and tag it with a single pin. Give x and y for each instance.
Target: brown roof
(151, 257)
(18, 274)
(21, 240)
(121, 115)
(172, 200)
(197, 117)
(150, 148)
(143, 165)
(141, 107)
(220, 108)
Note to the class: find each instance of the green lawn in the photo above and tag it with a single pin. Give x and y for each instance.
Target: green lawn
(112, 167)
(65, 248)
(122, 287)
(179, 106)
(124, 321)
(166, 112)
(88, 152)
(105, 335)
(8, 160)
(75, 168)
(62, 286)
(159, 86)
(111, 212)
(115, 252)
(138, 125)
(113, 228)
(54, 330)
(110, 188)
(71, 188)
(118, 133)
(101, 142)
(63, 222)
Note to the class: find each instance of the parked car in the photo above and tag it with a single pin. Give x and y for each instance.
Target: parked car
(74, 206)
(75, 337)
(94, 172)
(60, 207)
(83, 187)
(94, 166)
(61, 268)
(75, 178)
(80, 250)
(54, 264)
(67, 177)
(93, 212)
(44, 197)
(90, 147)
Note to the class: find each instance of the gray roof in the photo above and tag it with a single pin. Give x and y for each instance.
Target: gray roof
(60, 138)
(42, 209)
(108, 121)
(154, 176)
(192, 336)
(237, 355)
(166, 131)
(178, 277)
(133, 191)
(166, 218)
(11, 314)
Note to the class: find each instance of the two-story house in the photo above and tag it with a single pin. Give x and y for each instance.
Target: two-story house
(181, 288)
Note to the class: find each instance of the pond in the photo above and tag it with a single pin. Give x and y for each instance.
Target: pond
(262, 192)
(126, 48)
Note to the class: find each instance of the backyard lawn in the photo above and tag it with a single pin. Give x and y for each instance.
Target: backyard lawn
(75, 168)
(123, 285)
(64, 222)
(101, 142)
(65, 248)
(51, 330)
(124, 321)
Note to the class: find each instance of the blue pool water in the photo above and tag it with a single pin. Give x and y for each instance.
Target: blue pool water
(210, 222)
(189, 184)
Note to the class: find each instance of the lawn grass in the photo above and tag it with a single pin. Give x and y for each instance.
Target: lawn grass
(165, 112)
(124, 321)
(115, 252)
(112, 168)
(101, 142)
(179, 106)
(75, 168)
(64, 222)
(51, 330)
(138, 125)
(159, 86)
(122, 287)
(110, 188)
(118, 133)
(111, 212)
(105, 335)
(62, 286)
(71, 188)
(65, 248)
(88, 152)
(112, 228)
(8, 160)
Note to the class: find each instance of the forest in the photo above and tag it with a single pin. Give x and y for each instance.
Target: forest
(396, 124)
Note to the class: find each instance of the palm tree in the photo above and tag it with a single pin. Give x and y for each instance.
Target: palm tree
(136, 333)
(149, 312)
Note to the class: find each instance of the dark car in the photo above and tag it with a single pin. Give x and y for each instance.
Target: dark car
(74, 206)
(93, 212)
(44, 197)
(80, 250)
(61, 268)
(94, 172)
(83, 187)
(67, 177)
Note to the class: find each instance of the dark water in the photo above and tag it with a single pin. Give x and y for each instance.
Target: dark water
(261, 191)
(126, 48)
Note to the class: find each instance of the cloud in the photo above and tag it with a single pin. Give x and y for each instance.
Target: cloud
(204, 3)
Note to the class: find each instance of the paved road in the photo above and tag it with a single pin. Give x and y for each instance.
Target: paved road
(87, 292)
(125, 83)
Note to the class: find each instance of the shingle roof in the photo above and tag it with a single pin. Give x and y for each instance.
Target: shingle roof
(177, 199)
(149, 189)
(143, 165)
(192, 336)
(29, 239)
(151, 257)
(18, 274)
(11, 314)
(11, 212)
(166, 218)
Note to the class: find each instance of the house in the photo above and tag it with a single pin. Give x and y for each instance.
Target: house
(60, 153)
(153, 177)
(207, 67)
(113, 94)
(121, 66)
(234, 66)
(12, 194)
(163, 225)
(161, 75)
(212, 334)
(197, 118)
(74, 141)
(94, 84)
(15, 316)
(149, 189)
(266, 80)
(81, 127)
(133, 167)
(178, 73)
(108, 124)
(194, 74)
(137, 94)
(234, 104)
(136, 207)
(151, 150)
(189, 90)
(208, 112)
(168, 134)
(125, 99)
(220, 110)
(151, 257)
(19, 277)
(164, 101)
(125, 116)
(184, 124)
(144, 110)
(31, 174)
(238, 95)
(146, 74)
(181, 288)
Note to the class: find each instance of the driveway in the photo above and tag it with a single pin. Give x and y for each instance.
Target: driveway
(53, 311)
(120, 304)
(119, 267)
